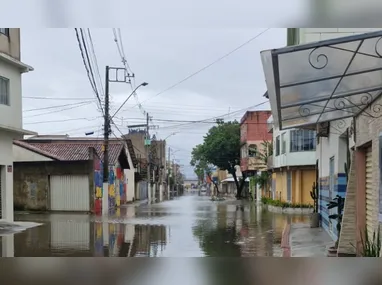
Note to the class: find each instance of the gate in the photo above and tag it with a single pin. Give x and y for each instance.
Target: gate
(143, 190)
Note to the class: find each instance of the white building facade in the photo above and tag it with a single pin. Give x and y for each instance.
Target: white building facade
(333, 143)
(11, 69)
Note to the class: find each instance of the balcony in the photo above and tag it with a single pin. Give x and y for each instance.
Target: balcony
(252, 164)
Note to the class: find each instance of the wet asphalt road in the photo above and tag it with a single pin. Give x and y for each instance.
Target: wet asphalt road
(189, 226)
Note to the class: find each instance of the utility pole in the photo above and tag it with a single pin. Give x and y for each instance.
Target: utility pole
(105, 186)
(174, 174)
(106, 129)
(148, 157)
(168, 173)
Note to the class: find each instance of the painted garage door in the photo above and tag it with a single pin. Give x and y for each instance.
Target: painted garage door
(69, 193)
(369, 191)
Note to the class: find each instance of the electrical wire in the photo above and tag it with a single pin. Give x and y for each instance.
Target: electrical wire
(208, 65)
(57, 111)
(88, 68)
(57, 98)
(60, 121)
(56, 106)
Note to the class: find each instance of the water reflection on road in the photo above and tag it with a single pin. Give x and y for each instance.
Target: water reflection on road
(189, 226)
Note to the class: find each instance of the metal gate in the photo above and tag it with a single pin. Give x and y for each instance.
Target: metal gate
(289, 186)
(143, 190)
(370, 202)
(69, 193)
(331, 189)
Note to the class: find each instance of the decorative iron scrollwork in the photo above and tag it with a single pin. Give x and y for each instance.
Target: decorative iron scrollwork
(341, 124)
(318, 61)
(377, 46)
(339, 103)
(366, 99)
(304, 111)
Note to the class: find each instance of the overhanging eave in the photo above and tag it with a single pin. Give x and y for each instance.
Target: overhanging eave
(324, 81)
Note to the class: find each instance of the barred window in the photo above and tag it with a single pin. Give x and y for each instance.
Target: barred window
(277, 145)
(4, 91)
(302, 140)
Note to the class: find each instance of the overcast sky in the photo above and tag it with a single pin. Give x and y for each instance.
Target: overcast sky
(161, 56)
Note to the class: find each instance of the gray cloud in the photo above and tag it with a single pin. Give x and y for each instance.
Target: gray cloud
(160, 56)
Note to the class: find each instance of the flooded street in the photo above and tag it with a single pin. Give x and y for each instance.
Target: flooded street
(189, 226)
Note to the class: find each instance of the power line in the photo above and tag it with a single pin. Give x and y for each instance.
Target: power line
(60, 121)
(57, 98)
(209, 65)
(56, 106)
(88, 68)
(95, 61)
(57, 111)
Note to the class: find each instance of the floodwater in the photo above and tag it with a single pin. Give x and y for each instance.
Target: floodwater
(188, 226)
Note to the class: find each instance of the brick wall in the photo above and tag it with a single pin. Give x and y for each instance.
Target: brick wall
(31, 181)
(257, 129)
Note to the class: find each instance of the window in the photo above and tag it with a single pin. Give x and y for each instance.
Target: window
(283, 143)
(4, 31)
(277, 145)
(302, 140)
(252, 150)
(4, 91)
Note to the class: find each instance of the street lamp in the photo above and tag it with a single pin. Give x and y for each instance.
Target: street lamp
(132, 93)
(172, 134)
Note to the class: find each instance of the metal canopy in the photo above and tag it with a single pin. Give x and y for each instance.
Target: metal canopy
(324, 81)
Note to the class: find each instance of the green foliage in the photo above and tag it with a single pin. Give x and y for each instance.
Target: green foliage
(262, 179)
(279, 203)
(339, 203)
(220, 148)
(371, 246)
(314, 195)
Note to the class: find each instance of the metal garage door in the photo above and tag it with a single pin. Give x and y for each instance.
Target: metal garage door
(69, 193)
(369, 191)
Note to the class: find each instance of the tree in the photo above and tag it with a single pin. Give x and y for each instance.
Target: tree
(263, 180)
(221, 147)
(201, 165)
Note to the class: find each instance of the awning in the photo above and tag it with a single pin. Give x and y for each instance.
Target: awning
(324, 81)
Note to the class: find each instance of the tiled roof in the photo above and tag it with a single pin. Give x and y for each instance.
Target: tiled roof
(35, 149)
(75, 150)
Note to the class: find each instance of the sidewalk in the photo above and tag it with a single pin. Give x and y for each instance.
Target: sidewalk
(300, 240)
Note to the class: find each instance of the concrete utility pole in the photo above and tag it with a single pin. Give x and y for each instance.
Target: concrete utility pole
(168, 175)
(147, 145)
(105, 186)
(107, 129)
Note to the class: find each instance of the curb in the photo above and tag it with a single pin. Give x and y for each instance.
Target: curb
(285, 243)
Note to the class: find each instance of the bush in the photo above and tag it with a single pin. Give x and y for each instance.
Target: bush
(279, 203)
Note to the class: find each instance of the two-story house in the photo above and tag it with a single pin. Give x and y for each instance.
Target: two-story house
(293, 165)
(11, 69)
(253, 133)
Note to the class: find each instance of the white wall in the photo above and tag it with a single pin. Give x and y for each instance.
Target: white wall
(290, 158)
(11, 116)
(130, 175)
(23, 154)
(6, 159)
(331, 146)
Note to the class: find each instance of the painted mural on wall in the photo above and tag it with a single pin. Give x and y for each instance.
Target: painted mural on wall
(98, 244)
(121, 185)
(111, 192)
(98, 182)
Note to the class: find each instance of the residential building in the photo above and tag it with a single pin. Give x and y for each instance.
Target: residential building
(11, 69)
(294, 163)
(253, 133)
(337, 77)
(67, 175)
